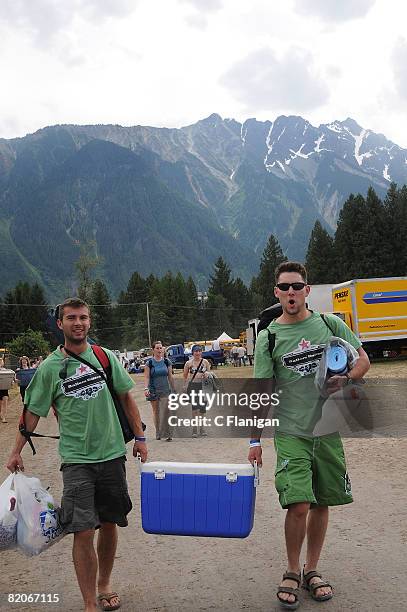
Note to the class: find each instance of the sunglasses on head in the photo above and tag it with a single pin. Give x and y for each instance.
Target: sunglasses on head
(295, 286)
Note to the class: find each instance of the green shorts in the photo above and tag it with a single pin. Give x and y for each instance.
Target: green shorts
(311, 470)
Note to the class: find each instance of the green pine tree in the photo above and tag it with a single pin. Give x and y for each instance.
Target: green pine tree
(263, 284)
(103, 320)
(320, 261)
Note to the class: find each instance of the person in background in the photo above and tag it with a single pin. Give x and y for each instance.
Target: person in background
(195, 371)
(159, 383)
(234, 353)
(23, 364)
(241, 354)
(3, 397)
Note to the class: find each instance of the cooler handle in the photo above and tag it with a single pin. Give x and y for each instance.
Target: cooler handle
(139, 464)
(256, 474)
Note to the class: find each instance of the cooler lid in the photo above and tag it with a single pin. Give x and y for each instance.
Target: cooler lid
(213, 469)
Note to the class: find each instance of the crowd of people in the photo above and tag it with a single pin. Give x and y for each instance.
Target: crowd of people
(23, 375)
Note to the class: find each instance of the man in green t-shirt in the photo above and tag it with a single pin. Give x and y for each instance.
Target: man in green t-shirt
(91, 447)
(311, 472)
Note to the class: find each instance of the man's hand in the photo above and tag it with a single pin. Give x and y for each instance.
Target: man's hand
(335, 383)
(140, 448)
(15, 463)
(255, 454)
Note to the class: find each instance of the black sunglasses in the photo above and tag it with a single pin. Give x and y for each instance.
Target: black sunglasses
(295, 286)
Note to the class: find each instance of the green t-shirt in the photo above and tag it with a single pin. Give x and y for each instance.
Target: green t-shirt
(296, 356)
(88, 424)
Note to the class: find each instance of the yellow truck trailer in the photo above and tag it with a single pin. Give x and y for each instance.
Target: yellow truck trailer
(376, 311)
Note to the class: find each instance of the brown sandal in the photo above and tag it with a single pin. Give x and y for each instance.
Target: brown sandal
(290, 605)
(108, 597)
(315, 586)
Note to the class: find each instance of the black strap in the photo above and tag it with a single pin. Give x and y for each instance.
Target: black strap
(105, 374)
(31, 434)
(272, 342)
(272, 337)
(323, 317)
(196, 371)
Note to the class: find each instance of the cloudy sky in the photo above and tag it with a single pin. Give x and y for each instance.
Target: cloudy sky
(172, 62)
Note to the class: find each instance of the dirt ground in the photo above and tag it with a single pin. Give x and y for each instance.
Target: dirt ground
(364, 556)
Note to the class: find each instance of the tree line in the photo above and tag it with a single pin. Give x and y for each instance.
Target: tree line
(369, 242)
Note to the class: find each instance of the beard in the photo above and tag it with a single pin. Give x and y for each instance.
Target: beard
(76, 339)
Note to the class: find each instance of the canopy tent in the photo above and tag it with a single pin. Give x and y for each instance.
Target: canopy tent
(224, 337)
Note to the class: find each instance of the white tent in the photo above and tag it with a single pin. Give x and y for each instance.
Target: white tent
(224, 338)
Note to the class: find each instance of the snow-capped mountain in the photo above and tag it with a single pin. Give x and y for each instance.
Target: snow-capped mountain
(158, 198)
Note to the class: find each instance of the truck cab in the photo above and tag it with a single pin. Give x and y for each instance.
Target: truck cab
(178, 356)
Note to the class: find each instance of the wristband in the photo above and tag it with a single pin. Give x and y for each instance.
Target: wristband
(139, 439)
(254, 443)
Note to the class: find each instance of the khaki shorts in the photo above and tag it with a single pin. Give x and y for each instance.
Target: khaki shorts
(311, 470)
(94, 493)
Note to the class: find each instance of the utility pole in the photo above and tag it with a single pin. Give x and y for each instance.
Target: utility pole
(148, 325)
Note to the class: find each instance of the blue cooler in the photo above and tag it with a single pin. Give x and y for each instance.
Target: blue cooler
(198, 499)
(24, 377)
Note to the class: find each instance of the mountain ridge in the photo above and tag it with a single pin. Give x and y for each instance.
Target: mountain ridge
(237, 182)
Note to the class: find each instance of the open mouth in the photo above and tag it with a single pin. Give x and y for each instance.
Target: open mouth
(291, 302)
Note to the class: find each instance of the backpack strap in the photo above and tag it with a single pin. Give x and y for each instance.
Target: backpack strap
(30, 434)
(272, 342)
(323, 317)
(272, 337)
(103, 360)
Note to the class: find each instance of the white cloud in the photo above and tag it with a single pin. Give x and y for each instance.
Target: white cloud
(205, 6)
(263, 82)
(44, 20)
(202, 9)
(399, 62)
(334, 10)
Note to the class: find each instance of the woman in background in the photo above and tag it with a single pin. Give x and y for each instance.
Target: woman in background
(159, 383)
(195, 371)
(3, 397)
(23, 364)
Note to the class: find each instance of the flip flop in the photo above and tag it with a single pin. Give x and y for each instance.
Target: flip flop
(108, 597)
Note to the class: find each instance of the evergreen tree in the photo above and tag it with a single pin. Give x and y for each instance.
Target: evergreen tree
(39, 310)
(319, 261)
(220, 281)
(375, 259)
(24, 307)
(218, 317)
(350, 236)
(263, 285)
(193, 314)
(395, 248)
(243, 309)
(85, 267)
(103, 320)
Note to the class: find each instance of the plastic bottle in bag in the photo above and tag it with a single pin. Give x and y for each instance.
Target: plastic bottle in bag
(38, 525)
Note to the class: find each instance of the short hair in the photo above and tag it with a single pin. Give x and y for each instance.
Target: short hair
(155, 343)
(74, 302)
(291, 266)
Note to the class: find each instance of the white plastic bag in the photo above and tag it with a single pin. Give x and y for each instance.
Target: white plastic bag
(38, 523)
(322, 374)
(8, 514)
